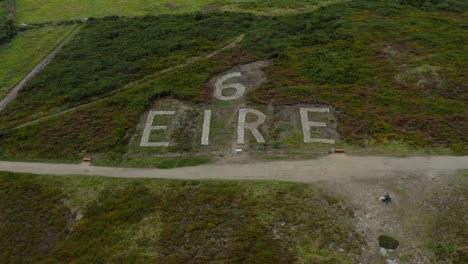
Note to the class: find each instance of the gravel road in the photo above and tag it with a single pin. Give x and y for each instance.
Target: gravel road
(330, 167)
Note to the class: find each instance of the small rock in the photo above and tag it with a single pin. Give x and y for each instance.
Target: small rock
(434, 178)
(78, 216)
(383, 251)
(391, 261)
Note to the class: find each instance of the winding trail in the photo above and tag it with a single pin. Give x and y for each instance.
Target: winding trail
(332, 167)
(128, 86)
(41, 65)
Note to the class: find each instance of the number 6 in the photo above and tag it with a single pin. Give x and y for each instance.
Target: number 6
(220, 86)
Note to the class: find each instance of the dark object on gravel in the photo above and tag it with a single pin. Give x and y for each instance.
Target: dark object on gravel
(388, 242)
(386, 198)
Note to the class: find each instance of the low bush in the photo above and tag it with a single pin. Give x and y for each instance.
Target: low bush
(7, 20)
(388, 242)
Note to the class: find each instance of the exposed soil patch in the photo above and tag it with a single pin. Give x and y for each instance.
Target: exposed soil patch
(416, 198)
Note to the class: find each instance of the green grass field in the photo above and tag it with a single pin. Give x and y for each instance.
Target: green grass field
(7, 15)
(19, 56)
(103, 220)
(31, 11)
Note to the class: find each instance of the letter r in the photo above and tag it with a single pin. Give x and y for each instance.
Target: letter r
(242, 125)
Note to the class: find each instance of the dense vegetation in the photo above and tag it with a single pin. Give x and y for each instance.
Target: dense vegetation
(446, 5)
(2, 21)
(111, 53)
(97, 220)
(20, 55)
(394, 70)
(7, 20)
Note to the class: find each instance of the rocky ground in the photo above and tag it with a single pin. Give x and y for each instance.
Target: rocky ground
(419, 203)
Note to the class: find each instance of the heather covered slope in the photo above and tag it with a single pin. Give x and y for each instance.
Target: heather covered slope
(89, 220)
(394, 72)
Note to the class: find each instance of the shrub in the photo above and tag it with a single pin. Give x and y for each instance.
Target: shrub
(459, 149)
(388, 242)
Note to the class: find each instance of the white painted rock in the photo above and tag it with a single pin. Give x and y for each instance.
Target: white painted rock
(383, 251)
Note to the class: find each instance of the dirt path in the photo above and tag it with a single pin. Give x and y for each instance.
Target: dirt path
(333, 167)
(14, 92)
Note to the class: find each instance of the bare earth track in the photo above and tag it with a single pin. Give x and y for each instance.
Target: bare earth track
(41, 65)
(326, 168)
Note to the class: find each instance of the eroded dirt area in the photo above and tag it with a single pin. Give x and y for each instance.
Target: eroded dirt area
(420, 202)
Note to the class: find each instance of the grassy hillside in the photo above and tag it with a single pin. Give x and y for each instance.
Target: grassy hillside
(91, 220)
(394, 72)
(20, 55)
(30, 11)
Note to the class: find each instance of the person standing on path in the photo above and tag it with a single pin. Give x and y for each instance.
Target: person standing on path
(387, 198)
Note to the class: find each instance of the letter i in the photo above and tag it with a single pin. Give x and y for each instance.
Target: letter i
(205, 141)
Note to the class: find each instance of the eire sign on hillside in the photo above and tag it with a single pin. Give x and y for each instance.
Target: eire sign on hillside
(248, 119)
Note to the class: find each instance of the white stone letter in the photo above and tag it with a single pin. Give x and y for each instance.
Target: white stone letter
(242, 125)
(306, 125)
(206, 128)
(220, 86)
(149, 127)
